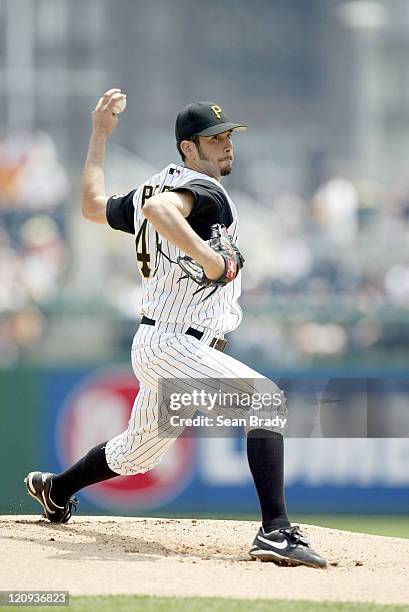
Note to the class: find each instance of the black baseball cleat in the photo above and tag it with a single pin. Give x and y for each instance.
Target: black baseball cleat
(286, 546)
(39, 485)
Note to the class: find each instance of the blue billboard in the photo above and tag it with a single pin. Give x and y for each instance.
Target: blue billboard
(81, 408)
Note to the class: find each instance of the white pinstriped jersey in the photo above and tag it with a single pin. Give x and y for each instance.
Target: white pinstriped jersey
(167, 296)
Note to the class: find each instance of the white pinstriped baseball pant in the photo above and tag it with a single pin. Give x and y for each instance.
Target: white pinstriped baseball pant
(158, 352)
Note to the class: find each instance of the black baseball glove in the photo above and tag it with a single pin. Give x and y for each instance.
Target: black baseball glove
(222, 243)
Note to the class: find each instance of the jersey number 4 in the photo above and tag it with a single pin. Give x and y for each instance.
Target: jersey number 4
(142, 254)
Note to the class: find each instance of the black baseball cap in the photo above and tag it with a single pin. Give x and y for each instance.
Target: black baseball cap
(203, 119)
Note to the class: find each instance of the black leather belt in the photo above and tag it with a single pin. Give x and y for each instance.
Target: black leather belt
(217, 343)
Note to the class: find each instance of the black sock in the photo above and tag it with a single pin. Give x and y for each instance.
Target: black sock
(92, 468)
(265, 453)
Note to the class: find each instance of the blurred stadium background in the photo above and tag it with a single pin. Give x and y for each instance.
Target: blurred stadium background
(322, 184)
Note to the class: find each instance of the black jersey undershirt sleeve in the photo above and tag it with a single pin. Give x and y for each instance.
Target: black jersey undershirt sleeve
(211, 206)
(120, 212)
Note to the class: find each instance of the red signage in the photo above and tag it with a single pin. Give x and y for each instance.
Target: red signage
(96, 410)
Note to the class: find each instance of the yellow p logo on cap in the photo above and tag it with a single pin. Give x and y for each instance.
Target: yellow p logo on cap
(217, 111)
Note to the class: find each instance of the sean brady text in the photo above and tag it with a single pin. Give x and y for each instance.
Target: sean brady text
(222, 421)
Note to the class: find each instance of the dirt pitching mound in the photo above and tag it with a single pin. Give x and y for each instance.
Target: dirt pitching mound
(106, 555)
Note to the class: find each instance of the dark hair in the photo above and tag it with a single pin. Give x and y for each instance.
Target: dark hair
(194, 139)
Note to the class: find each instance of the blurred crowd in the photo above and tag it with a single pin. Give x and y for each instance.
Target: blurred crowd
(33, 241)
(326, 276)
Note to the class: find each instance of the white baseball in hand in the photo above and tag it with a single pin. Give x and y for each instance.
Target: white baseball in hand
(119, 106)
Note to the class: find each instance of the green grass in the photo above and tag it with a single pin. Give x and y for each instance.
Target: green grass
(394, 526)
(128, 603)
